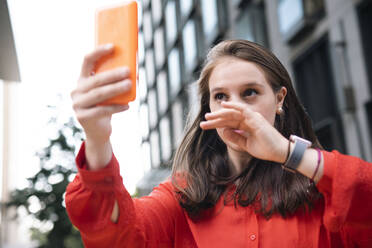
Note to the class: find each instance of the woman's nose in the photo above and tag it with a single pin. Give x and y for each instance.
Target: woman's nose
(235, 98)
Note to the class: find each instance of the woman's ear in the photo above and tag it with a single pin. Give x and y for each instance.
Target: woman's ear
(280, 96)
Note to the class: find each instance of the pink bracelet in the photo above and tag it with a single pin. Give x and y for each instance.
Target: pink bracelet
(317, 165)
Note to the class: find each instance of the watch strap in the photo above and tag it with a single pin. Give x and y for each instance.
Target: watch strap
(294, 159)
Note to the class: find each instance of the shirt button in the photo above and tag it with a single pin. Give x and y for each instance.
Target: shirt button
(252, 237)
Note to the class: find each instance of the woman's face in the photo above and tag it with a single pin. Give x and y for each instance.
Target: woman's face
(241, 81)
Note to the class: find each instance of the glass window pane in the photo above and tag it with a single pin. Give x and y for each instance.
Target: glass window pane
(186, 6)
(290, 12)
(145, 3)
(2, 138)
(146, 156)
(139, 13)
(210, 15)
(141, 48)
(152, 108)
(150, 67)
(142, 84)
(193, 98)
(189, 44)
(251, 24)
(147, 27)
(171, 21)
(159, 47)
(162, 91)
(155, 151)
(174, 72)
(165, 139)
(244, 26)
(156, 10)
(177, 121)
(144, 118)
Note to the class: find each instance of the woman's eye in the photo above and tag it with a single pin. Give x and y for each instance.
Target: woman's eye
(250, 92)
(220, 96)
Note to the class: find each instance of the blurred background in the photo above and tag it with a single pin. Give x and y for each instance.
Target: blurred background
(324, 44)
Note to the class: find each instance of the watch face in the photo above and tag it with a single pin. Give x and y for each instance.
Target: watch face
(295, 138)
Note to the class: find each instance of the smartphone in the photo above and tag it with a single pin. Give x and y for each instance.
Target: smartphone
(118, 25)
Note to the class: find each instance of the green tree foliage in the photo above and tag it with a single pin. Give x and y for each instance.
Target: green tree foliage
(47, 187)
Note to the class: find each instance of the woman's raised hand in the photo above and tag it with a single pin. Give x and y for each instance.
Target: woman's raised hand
(96, 119)
(249, 130)
(93, 89)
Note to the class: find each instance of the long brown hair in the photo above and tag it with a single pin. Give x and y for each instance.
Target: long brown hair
(201, 172)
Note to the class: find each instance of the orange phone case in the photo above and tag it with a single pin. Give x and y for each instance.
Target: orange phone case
(119, 25)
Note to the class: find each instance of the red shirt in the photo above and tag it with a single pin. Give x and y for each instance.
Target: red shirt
(343, 218)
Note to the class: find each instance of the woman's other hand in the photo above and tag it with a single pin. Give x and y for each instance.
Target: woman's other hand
(249, 130)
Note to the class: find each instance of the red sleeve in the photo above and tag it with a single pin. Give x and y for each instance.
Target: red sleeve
(347, 188)
(147, 221)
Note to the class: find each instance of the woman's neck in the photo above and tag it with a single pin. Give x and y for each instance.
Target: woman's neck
(239, 160)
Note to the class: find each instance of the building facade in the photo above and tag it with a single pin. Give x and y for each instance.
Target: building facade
(324, 44)
(9, 80)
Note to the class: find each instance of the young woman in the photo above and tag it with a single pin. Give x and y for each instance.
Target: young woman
(248, 173)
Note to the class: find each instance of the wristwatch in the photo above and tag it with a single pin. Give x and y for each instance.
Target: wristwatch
(295, 157)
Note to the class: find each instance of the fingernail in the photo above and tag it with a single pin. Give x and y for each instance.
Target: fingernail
(127, 83)
(124, 70)
(109, 46)
(238, 131)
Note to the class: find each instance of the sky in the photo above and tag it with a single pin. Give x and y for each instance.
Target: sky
(52, 37)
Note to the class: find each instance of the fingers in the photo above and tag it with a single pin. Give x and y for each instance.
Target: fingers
(235, 137)
(99, 94)
(219, 123)
(103, 78)
(232, 115)
(224, 113)
(91, 58)
(237, 106)
(99, 111)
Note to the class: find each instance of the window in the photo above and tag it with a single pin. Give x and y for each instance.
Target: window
(140, 12)
(150, 67)
(145, 3)
(174, 72)
(365, 20)
(141, 48)
(296, 16)
(171, 21)
(186, 7)
(166, 148)
(156, 8)
(290, 13)
(177, 114)
(155, 152)
(193, 98)
(162, 92)
(244, 27)
(146, 156)
(210, 16)
(2, 106)
(142, 84)
(251, 24)
(159, 47)
(189, 45)
(147, 27)
(152, 108)
(315, 86)
(144, 117)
